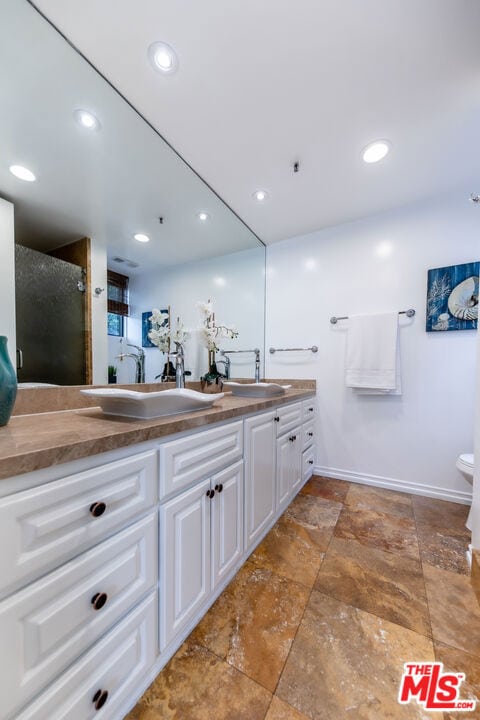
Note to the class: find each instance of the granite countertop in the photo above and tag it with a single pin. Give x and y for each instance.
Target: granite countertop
(32, 442)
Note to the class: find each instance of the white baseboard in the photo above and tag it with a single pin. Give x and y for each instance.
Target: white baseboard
(465, 498)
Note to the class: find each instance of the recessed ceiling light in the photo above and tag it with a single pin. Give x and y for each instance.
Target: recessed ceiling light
(141, 237)
(86, 119)
(163, 57)
(260, 195)
(203, 216)
(22, 173)
(375, 151)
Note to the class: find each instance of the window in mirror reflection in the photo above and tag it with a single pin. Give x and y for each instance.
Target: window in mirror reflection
(115, 324)
(118, 309)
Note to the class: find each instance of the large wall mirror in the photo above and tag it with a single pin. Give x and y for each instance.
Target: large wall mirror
(67, 239)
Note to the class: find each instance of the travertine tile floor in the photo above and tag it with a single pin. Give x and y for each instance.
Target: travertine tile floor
(352, 582)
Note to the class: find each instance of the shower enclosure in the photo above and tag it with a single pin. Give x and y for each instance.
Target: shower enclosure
(50, 319)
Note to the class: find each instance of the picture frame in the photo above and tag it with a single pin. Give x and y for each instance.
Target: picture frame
(147, 326)
(452, 297)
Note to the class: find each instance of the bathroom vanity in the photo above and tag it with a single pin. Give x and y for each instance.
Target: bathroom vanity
(117, 536)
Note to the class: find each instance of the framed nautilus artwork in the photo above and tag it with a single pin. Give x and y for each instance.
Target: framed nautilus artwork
(452, 297)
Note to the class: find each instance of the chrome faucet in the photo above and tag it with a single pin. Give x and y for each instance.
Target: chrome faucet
(225, 353)
(179, 365)
(226, 362)
(139, 358)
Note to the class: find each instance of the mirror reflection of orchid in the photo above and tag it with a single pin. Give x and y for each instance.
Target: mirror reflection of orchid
(162, 334)
(211, 334)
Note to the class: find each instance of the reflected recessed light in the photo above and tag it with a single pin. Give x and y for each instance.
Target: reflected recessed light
(220, 281)
(203, 216)
(375, 151)
(22, 173)
(260, 195)
(163, 57)
(86, 119)
(141, 237)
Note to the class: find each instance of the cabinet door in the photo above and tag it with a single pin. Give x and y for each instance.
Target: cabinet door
(227, 521)
(289, 466)
(185, 573)
(260, 494)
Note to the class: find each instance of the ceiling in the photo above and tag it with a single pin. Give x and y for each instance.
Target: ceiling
(263, 84)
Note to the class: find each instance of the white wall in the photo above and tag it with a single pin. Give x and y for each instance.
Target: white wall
(377, 265)
(7, 277)
(234, 283)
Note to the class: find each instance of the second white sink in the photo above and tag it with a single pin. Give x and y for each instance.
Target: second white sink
(256, 389)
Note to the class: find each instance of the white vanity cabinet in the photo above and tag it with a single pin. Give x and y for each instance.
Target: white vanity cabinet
(80, 561)
(111, 560)
(201, 541)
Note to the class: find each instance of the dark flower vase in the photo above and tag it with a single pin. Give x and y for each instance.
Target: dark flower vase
(8, 383)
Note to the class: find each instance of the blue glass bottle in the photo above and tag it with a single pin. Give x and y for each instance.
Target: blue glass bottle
(8, 383)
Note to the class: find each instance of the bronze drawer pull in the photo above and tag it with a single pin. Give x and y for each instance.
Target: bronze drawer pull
(97, 509)
(99, 600)
(100, 698)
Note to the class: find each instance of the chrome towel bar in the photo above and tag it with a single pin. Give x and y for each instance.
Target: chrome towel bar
(408, 313)
(313, 349)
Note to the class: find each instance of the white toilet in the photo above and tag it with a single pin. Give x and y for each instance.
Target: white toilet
(466, 465)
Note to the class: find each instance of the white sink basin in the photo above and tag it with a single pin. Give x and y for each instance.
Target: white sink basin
(256, 389)
(148, 405)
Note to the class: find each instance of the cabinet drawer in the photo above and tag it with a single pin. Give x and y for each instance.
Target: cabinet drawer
(308, 434)
(116, 665)
(309, 409)
(184, 461)
(47, 525)
(308, 459)
(50, 623)
(290, 416)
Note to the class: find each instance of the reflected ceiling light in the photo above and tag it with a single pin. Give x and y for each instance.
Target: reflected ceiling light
(203, 216)
(86, 119)
(220, 281)
(384, 249)
(141, 237)
(260, 195)
(310, 264)
(163, 57)
(22, 173)
(375, 151)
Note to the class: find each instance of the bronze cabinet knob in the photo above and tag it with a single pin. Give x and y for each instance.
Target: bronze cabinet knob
(310, 462)
(210, 493)
(97, 509)
(99, 600)
(219, 488)
(310, 434)
(100, 698)
(276, 419)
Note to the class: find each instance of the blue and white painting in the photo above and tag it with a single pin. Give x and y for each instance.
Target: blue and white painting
(147, 326)
(452, 297)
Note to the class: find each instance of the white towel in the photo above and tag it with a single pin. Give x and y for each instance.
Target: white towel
(373, 363)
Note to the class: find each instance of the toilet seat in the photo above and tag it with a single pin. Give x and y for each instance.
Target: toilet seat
(466, 463)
